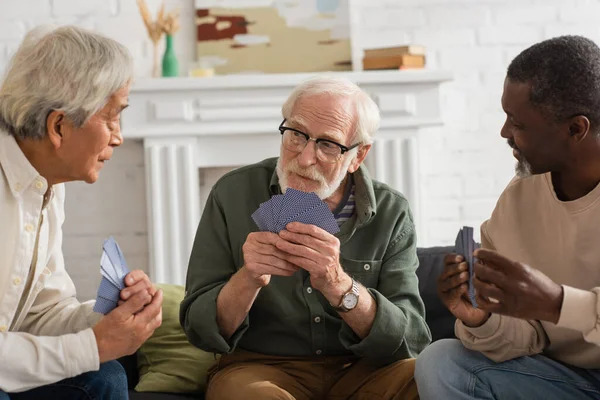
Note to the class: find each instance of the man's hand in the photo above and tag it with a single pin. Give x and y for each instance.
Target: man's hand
(263, 259)
(318, 252)
(136, 281)
(521, 291)
(122, 331)
(453, 290)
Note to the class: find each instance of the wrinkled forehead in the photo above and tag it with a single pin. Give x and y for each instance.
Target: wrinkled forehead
(324, 116)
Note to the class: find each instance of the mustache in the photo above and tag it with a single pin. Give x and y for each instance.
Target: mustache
(512, 144)
(310, 173)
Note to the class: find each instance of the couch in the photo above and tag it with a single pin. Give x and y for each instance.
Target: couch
(439, 319)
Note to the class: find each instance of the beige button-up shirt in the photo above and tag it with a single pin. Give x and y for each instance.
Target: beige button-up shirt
(45, 332)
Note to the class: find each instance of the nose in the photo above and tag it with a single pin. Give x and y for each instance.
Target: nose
(505, 132)
(117, 138)
(308, 156)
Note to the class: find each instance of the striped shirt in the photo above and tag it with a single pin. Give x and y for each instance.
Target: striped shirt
(343, 214)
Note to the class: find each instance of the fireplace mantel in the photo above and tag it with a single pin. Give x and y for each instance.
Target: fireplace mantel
(225, 121)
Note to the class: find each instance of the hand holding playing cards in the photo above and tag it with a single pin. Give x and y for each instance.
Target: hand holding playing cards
(122, 331)
(315, 250)
(520, 290)
(262, 259)
(453, 290)
(136, 281)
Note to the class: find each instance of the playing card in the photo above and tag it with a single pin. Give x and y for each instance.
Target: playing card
(115, 255)
(471, 249)
(123, 264)
(274, 215)
(465, 246)
(306, 203)
(266, 214)
(257, 218)
(109, 271)
(104, 306)
(108, 290)
(275, 203)
(291, 198)
(319, 216)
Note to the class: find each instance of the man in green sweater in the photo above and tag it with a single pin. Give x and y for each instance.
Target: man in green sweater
(306, 314)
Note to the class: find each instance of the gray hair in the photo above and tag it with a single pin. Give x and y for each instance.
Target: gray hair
(67, 69)
(367, 112)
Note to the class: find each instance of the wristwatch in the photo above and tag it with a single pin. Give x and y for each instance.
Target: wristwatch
(349, 299)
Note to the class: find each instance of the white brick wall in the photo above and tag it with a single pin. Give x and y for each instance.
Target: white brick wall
(466, 165)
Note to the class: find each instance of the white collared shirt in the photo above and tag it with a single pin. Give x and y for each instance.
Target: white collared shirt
(45, 332)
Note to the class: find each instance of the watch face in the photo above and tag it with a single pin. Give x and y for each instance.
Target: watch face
(350, 301)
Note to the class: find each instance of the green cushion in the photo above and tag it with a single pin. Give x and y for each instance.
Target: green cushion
(167, 362)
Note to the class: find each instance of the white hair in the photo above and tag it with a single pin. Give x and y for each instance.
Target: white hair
(367, 112)
(67, 69)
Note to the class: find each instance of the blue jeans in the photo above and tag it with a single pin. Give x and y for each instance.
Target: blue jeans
(448, 370)
(109, 383)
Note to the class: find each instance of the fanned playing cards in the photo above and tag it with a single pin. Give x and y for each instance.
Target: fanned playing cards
(465, 246)
(113, 269)
(294, 206)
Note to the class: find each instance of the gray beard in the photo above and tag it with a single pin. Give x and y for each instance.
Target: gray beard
(523, 168)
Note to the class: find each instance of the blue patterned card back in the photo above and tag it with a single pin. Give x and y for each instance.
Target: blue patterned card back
(108, 290)
(104, 306)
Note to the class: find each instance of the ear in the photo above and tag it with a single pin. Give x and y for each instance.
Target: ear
(55, 127)
(579, 127)
(360, 157)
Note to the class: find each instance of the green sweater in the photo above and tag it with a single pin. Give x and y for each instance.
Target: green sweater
(378, 249)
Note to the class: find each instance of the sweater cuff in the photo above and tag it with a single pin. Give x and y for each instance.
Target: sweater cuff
(489, 328)
(579, 310)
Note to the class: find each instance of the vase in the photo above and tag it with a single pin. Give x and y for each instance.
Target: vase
(170, 65)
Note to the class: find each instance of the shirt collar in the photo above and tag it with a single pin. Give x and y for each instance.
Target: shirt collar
(19, 172)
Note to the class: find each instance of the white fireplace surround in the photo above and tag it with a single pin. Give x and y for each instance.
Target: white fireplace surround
(192, 123)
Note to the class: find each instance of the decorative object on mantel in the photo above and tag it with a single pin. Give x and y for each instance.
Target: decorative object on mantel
(170, 25)
(400, 57)
(155, 31)
(167, 24)
(258, 36)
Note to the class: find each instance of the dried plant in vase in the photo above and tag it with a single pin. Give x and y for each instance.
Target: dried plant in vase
(170, 25)
(155, 30)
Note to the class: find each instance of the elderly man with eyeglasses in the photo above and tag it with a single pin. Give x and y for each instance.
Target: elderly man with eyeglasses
(271, 303)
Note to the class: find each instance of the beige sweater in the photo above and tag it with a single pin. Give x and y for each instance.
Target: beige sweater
(561, 239)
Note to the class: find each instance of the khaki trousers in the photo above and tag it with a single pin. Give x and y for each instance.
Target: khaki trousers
(246, 375)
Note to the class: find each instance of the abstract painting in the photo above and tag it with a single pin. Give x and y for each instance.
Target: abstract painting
(273, 36)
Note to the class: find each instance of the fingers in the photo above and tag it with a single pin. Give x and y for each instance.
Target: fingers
(253, 260)
(453, 258)
(322, 246)
(297, 250)
(493, 257)
(488, 293)
(457, 292)
(453, 269)
(135, 303)
(453, 281)
(137, 276)
(311, 230)
(263, 237)
(138, 287)
(152, 310)
(307, 264)
(488, 274)
(269, 250)
(268, 269)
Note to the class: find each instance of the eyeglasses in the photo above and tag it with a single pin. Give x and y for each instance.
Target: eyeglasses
(327, 150)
